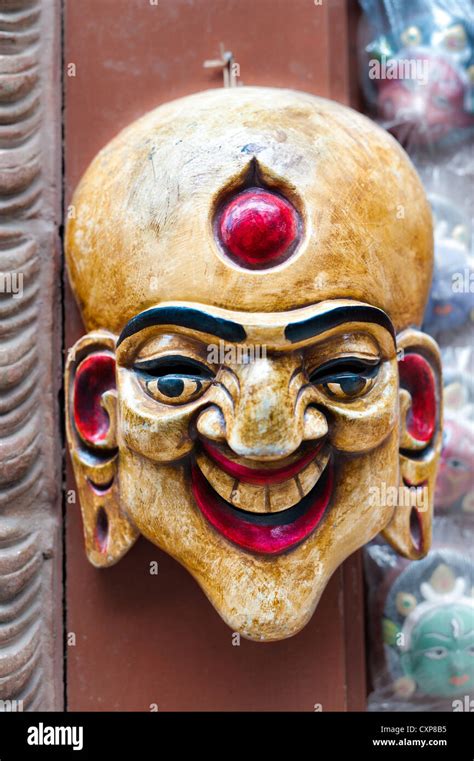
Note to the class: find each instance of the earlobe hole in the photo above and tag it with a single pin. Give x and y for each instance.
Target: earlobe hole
(416, 529)
(102, 530)
(100, 488)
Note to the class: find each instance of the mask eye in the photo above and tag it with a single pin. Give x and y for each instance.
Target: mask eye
(411, 36)
(456, 464)
(436, 653)
(346, 378)
(173, 379)
(454, 38)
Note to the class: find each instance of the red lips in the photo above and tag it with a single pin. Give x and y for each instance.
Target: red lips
(254, 475)
(266, 533)
(458, 681)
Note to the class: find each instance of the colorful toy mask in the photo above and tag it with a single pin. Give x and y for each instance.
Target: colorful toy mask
(454, 484)
(451, 302)
(424, 110)
(250, 264)
(430, 625)
(424, 56)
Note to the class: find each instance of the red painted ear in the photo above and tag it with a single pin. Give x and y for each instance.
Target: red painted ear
(94, 376)
(409, 530)
(417, 377)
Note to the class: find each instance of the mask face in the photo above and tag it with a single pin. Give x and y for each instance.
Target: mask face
(429, 627)
(456, 466)
(252, 431)
(442, 658)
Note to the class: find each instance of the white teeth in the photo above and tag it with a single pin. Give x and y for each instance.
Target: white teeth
(311, 473)
(249, 497)
(221, 482)
(271, 498)
(284, 495)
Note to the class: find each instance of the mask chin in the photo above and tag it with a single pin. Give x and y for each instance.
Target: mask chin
(91, 413)
(409, 531)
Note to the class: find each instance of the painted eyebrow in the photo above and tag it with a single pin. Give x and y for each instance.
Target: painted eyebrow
(186, 317)
(438, 636)
(320, 323)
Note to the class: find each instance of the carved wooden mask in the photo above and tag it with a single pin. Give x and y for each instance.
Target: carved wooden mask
(252, 265)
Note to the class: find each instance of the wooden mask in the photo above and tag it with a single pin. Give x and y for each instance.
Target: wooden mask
(252, 265)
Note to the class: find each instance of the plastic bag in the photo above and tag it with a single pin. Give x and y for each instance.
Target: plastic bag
(417, 68)
(454, 493)
(451, 303)
(421, 634)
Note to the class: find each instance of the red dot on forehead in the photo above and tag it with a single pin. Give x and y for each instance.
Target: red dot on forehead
(258, 228)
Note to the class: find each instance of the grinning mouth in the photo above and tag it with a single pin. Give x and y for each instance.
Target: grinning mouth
(260, 476)
(277, 527)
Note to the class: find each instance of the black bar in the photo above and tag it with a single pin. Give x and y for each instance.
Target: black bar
(143, 736)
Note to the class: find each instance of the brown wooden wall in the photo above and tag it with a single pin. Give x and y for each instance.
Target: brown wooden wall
(31, 673)
(143, 639)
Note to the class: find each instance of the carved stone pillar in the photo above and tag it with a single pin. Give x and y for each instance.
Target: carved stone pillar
(30, 372)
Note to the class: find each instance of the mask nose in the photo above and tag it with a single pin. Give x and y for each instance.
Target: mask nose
(269, 420)
(457, 665)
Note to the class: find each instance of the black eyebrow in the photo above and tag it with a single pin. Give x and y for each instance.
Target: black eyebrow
(186, 317)
(320, 323)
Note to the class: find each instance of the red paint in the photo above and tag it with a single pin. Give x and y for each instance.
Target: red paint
(268, 540)
(95, 375)
(255, 475)
(443, 309)
(258, 229)
(458, 681)
(417, 377)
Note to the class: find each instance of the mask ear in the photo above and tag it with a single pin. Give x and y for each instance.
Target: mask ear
(409, 531)
(91, 419)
